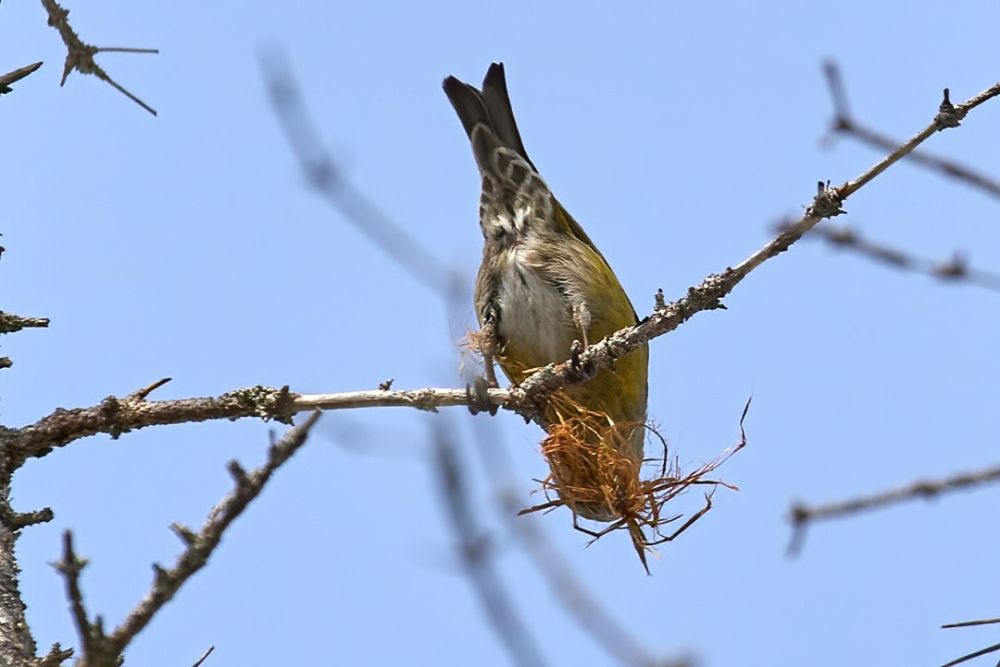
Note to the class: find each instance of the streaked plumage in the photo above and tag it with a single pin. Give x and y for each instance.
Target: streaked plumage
(542, 283)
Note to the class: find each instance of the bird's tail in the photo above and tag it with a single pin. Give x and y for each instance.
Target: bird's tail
(488, 109)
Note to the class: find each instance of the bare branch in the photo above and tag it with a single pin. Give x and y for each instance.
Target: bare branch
(953, 271)
(115, 416)
(80, 55)
(96, 651)
(16, 75)
(845, 123)
(802, 515)
(708, 295)
(476, 557)
(100, 649)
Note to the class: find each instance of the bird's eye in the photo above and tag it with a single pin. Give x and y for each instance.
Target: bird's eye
(499, 232)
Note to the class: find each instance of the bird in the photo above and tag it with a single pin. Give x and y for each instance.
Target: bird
(544, 289)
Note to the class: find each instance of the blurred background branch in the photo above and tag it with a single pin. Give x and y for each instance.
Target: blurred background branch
(954, 271)
(477, 554)
(844, 123)
(802, 515)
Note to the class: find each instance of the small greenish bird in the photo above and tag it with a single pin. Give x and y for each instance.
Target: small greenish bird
(543, 284)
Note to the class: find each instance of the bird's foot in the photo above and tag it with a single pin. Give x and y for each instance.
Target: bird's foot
(579, 371)
(478, 396)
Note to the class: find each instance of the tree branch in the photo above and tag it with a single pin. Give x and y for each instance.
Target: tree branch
(116, 416)
(708, 295)
(101, 650)
(476, 557)
(953, 271)
(844, 123)
(802, 515)
(80, 55)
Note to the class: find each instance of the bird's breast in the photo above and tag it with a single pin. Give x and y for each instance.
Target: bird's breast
(535, 322)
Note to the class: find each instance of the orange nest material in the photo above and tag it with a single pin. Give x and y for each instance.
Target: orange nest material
(590, 472)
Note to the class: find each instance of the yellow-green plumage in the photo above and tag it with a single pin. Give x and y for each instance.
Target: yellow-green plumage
(542, 283)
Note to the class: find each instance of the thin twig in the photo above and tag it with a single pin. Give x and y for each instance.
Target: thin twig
(204, 657)
(974, 654)
(955, 271)
(477, 556)
(96, 652)
(802, 515)
(845, 123)
(80, 55)
(969, 624)
(100, 649)
(708, 295)
(200, 545)
(16, 75)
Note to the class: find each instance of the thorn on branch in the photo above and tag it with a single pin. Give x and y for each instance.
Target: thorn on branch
(200, 546)
(141, 394)
(18, 520)
(56, 656)
(659, 301)
(948, 114)
(185, 534)
(16, 75)
(238, 474)
(386, 385)
(160, 574)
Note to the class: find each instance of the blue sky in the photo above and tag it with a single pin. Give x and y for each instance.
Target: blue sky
(188, 246)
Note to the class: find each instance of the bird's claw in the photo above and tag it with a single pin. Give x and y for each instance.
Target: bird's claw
(478, 396)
